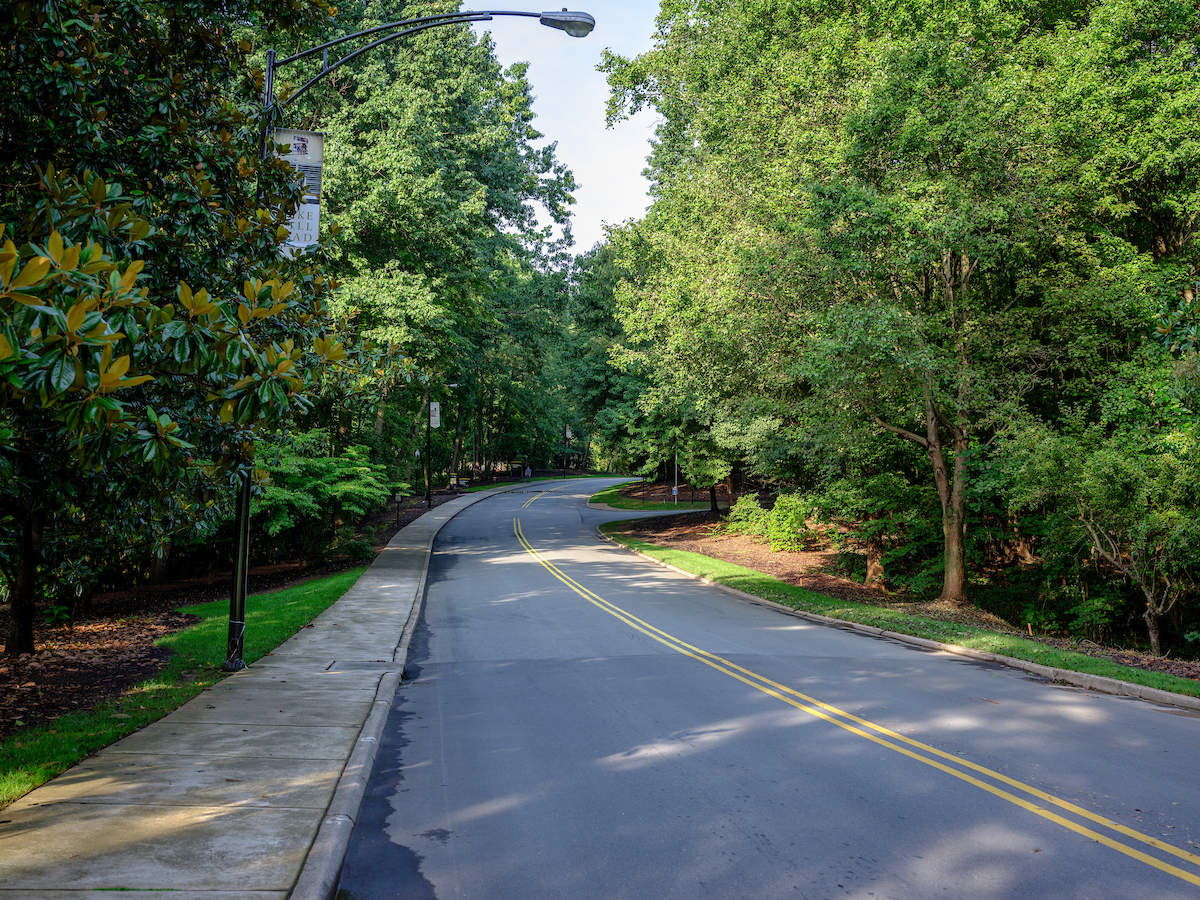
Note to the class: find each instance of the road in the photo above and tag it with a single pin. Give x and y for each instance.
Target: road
(578, 723)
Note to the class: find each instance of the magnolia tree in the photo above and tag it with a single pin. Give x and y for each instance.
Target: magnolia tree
(150, 327)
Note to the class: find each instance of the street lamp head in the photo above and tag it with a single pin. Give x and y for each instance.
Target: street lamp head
(576, 24)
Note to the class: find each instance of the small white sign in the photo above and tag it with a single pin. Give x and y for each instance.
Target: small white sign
(435, 415)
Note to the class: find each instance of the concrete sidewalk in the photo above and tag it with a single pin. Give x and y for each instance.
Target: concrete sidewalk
(251, 789)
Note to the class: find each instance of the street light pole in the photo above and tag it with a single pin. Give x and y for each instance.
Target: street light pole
(576, 24)
(429, 458)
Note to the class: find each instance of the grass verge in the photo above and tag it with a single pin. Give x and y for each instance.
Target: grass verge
(770, 588)
(34, 755)
(612, 497)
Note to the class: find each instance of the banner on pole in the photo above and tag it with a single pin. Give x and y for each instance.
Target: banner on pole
(306, 156)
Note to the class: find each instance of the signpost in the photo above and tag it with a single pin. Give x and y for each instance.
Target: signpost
(435, 421)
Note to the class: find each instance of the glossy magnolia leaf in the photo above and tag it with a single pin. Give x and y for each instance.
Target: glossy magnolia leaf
(75, 317)
(70, 259)
(33, 272)
(54, 246)
(61, 374)
(8, 261)
(131, 273)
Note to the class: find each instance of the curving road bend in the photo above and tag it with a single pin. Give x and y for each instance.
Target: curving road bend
(578, 723)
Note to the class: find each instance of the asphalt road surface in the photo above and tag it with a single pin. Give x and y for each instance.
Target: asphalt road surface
(578, 723)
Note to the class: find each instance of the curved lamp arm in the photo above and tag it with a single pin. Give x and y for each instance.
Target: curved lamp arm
(576, 24)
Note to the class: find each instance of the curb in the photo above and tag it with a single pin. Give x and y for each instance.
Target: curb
(323, 865)
(1098, 683)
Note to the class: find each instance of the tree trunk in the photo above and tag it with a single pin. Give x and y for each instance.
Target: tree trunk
(23, 600)
(158, 565)
(954, 533)
(487, 442)
(953, 499)
(1152, 619)
(414, 437)
(875, 571)
(457, 444)
(476, 434)
(729, 488)
(712, 499)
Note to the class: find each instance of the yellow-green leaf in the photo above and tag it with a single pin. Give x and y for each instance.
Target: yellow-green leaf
(55, 246)
(75, 317)
(70, 259)
(118, 368)
(35, 270)
(8, 261)
(131, 274)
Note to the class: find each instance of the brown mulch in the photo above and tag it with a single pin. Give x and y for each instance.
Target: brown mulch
(814, 569)
(109, 650)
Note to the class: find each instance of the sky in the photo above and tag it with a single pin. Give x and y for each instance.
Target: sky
(570, 97)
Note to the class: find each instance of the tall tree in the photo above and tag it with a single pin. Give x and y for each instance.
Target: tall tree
(891, 191)
(432, 177)
(149, 323)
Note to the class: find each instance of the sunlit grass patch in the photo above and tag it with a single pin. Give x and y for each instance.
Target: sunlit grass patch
(898, 620)
(613, 497)
(33, 756)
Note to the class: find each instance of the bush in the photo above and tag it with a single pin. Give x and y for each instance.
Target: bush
(784, 525)
(787, 523)
(311, 493)
(747, 517)
(358, 551)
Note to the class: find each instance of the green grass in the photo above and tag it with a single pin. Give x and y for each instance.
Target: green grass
(613, 497)
(34, 755)
(899, 621)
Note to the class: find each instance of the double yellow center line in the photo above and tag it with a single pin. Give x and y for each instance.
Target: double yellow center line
(996, 783)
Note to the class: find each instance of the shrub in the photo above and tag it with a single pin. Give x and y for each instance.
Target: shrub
(747, 517)
(787, 523)
(312, 492)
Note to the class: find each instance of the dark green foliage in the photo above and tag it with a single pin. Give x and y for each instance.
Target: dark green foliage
(147, 320)
(747, 516)
(787, 525)
(312, 493)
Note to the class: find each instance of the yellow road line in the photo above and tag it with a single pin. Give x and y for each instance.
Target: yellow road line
(526, 504)
(887, 738)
